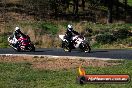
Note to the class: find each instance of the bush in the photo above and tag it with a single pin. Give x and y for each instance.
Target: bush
(88, 32)
(121, 33)
(3, 41)
(48, 28)
(105, 38)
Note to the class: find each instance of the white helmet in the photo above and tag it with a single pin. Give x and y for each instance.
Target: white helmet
(69, 26)
(17, 29)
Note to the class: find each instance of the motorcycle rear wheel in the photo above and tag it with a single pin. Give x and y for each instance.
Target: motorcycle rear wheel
(65, 46)
(18, 49)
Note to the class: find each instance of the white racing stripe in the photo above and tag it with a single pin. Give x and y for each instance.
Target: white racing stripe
(57, 57)
(13, 54)
(9, 54)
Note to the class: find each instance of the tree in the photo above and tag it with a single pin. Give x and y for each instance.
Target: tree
(83, 5)
(125, 2)
(117, 8)
(110, 7)
(75, 6)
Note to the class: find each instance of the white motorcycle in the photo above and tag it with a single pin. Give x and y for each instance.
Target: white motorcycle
(78, 41)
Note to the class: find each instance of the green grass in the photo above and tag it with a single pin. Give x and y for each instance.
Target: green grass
(3, 41)
(130, 2)
(22, 75)
(48, 28)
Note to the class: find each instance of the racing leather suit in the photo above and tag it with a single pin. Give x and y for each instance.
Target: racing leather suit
(16, 36)
(69, 34)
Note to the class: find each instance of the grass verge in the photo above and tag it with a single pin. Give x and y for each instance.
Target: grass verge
(22, 72)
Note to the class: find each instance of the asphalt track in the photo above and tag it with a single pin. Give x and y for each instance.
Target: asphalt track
(113, 53)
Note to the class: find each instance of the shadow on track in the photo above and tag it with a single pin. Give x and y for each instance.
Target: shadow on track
(99, 51)
(42, 50)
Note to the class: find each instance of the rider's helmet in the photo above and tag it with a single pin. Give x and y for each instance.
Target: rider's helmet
(70, 27)
(17, 29)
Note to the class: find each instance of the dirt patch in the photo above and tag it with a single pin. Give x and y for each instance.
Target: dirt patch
(5, 58)
(50, 63)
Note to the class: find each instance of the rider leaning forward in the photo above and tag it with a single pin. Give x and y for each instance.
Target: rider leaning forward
(69, 33)
(16, 35)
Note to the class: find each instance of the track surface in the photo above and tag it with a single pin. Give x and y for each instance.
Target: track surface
(113, 54)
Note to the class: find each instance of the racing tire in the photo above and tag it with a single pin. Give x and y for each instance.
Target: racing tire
(32, 48)
(65, 46)
(85, 47)
(18, 49)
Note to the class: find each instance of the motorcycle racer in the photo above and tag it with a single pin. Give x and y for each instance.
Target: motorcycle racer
(16, 35)
(69, 34)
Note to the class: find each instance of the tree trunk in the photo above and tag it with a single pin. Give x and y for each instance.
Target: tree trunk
(110, 7)
(76, 11)
(117, 9)
(75, 6)
(83, 5)
(56, 9)
(67, 3)
(125, 2)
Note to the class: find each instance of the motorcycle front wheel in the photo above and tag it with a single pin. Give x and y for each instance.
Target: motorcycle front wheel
(85, 47)
(32, 48)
